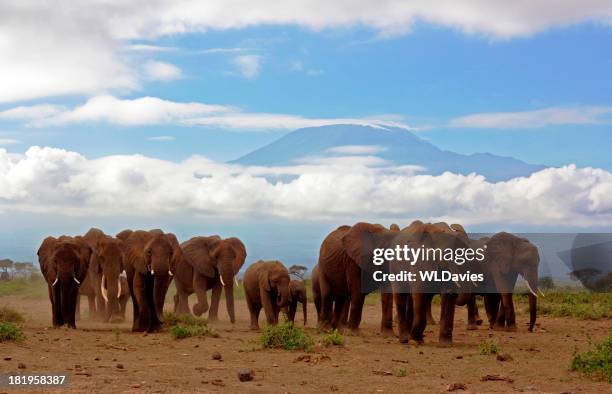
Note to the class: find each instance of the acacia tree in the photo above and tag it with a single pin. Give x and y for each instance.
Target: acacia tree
(6, 265)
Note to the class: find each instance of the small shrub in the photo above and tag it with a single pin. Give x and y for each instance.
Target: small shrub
(400, 372)
(333, 338)
(10, 315)
(487, 349)
(10, 331)
(286, 336)
(596, 361)
(186, 326)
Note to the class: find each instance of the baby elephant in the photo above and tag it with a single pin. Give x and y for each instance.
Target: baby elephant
(266, 284)
(297, 289)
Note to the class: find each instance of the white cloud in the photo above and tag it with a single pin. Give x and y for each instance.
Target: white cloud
(50, 180)
(161, 138)
(140, 111)
(31, 112)
(79, 47)
(248, 65)
(357, 149)
(162, 71)
(153, 110)
(553, 116)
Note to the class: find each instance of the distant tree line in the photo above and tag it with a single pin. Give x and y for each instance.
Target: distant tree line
(10, 269)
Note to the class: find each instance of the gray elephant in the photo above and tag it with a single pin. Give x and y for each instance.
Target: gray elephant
(266, 285)
(208, 263)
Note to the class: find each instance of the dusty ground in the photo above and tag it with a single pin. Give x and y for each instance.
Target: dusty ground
(158, 363)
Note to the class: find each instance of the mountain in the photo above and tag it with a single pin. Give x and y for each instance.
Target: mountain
(396, 145)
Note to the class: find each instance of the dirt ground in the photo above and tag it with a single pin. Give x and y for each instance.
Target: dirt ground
(109, 358)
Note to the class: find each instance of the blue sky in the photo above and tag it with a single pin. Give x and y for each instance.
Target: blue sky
(425, 78)
(125, 114)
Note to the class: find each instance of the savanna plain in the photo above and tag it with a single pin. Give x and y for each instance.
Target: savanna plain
(192, 355)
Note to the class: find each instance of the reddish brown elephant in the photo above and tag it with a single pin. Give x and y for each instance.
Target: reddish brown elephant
(150, 265)
(298, 292)
(266, 285)
(208, 263)
(344, 254)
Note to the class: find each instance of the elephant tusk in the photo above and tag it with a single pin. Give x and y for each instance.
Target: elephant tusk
(170, 273)
(152, 272)
(76, 280)
(236, 281)
(530, 289)
(222, 282)
(119, 285)
(103, 290)
(54, 282)
(541, 293)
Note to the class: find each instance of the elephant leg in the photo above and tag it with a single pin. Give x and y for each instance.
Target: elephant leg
(357, 300)
(268, 305)
(401, 305)
(200, 287)
(292, 309)
(305, 309)
(447, 318)
(472, 310)
(327, 305)
(340, 317)
(419, 307)
(68, 304)
(213, 312)
(491, 302)
(386, 322)
(254, 309)
(56, 307)
(430, 318)
(500, 322)
(141, 323)
(275, 312)
(135, 309)
(77, 312)
(509, 312)
(91, 301)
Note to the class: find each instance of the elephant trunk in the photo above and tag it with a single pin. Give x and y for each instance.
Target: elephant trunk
(160, 288)
(68, 294)
(531, 277)
(112, 299)
(229, 301)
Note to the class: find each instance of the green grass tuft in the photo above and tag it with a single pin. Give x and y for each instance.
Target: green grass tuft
(33, 289)
(186, 326)
(582, 305)
(333, 338)
(286, 336)
(488, 348)
(596, 361)
(10, 331)
(400, 372)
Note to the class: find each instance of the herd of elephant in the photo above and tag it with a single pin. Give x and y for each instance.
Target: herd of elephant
(93, 264)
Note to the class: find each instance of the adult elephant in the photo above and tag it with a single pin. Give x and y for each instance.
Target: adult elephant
(297, 290)
(266, 285)
(208, 263)
(412, 298)
(344, 256)
(64, 262)
(316, 290)
(508, 256)
(103, 278)
(150, 265)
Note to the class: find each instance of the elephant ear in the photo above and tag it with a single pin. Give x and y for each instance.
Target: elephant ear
(360, 240)
(177, 253)
(264, 280)
(394, 227)
(197, 253)
(239, 250)
(500, 252)
(44, 252)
